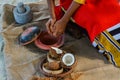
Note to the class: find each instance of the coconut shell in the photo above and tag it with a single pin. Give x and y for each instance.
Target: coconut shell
(51, 59)
(66, 66)
(55, 72)
(52, 65)
(53, 53)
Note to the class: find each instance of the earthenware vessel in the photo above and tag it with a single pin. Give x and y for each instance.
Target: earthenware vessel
(29, 35)
(46, 41)
(55, 67)
(22, 13)
(62, 72)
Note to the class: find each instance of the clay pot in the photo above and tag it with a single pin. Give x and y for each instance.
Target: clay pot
(29, 35)
(50, 73)
(46, 41)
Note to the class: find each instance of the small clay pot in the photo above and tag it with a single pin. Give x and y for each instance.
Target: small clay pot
(29, 35)
(46, 41)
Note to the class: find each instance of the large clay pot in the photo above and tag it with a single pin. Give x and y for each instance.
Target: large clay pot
(46, 41)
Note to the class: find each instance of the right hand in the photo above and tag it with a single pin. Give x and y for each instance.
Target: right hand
(50, 25)
(59, 27)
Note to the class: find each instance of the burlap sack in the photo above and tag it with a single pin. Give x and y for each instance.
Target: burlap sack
(21, 61)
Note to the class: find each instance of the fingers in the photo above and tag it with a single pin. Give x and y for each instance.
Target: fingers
(48, 26)
(57, 32)
(52, 26)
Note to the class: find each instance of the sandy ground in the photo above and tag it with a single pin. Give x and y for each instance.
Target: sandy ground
(96, 65)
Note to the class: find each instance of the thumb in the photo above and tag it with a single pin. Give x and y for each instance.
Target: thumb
(55, 34)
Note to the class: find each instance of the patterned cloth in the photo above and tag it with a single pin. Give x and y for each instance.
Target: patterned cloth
(108, 38)
(95, 15)
(108, 43)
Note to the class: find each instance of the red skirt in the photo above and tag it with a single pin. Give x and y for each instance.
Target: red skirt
(95, 15)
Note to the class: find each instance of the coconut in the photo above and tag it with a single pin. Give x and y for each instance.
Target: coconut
(54, 54)
(68, 59)
(57, 50)
(52, 65)
(51, 59)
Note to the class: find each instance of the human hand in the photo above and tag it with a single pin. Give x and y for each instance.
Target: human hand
(49, 25)
(59, 28)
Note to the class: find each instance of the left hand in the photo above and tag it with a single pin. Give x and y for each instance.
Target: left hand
(59, 28)
(49, 25)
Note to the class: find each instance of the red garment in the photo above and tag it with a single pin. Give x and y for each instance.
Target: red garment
(95, 15)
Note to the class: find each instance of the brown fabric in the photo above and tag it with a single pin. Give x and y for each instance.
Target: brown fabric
(22, 61)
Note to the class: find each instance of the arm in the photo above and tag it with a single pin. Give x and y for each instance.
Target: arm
(51, 4)
(60, 25)
(52, 19)
(73, 7)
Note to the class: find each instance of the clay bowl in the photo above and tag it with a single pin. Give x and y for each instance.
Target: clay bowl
(65, 72)
(46, 41)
